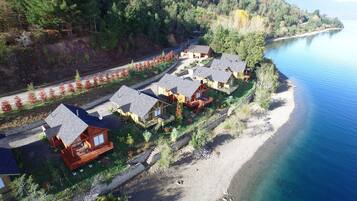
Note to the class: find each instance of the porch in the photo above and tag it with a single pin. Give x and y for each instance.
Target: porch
(76, 157)
(198, 104)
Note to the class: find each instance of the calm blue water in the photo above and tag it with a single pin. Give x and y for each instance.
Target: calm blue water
(320, 162)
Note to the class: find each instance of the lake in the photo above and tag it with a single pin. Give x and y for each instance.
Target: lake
(320, 160)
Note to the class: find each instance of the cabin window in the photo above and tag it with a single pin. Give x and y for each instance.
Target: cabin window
(98, 140)
(2, 185)
(198, 95)
(157, 112)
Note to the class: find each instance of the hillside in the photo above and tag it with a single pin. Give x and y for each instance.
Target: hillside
(44, 41)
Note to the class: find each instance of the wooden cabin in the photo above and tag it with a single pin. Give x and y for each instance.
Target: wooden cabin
(80, 136)
(219, 80)
(189, 92)
(8, 168)
(233, 64)
(197, 52)
(144, 109)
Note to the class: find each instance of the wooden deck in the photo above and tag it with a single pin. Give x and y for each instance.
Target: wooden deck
(74, 162)
(199, 104)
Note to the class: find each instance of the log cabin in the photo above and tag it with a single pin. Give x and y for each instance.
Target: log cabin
(80, 136)
(197, 52)
(219, 80)
(189, 92)
(232, 63)
(143, 108)
(8, 168)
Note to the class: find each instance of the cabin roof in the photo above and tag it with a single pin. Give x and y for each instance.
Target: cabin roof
(131, 100)
(71, 121)
(223, 64)
(199, 49)
(178, 85)
(212, 74)
(8, 165)
(230, 57)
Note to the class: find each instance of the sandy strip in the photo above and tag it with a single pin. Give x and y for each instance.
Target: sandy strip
(209, 179)
(305, 34)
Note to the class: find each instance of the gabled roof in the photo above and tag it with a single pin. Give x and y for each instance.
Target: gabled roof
(178, 85)
(199, 49)
(230, 57)
(131, 100)
(71, 121)
(212, 74)
(8, 165)
(234, 66)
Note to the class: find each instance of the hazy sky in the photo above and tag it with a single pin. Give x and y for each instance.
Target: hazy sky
(343, 9)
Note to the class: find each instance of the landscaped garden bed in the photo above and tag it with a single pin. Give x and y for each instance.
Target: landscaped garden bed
(39, 107)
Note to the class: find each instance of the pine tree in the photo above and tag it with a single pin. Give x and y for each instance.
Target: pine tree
(79, 85)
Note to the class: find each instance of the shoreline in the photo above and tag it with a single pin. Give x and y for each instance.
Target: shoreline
(244, 184)
(303, 35)
(209, 179)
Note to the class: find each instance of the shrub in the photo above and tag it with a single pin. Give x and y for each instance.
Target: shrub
(43, 95)
(95, 81)
(244, 112)
(179, 109)
(110, 197)
(147, 135)
(101, 79)
(18, 103)
(129, 140)
(62, 90)
(6, 106)
(87, 85)
(52, 94)
(166, 154)
(173, 135)
(108, 78)
(24, 188)
(234, 126)
(32, 99)
(79, 85)
(199, 139)
(70, 88)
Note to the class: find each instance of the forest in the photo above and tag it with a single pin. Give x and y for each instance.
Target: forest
(42, 41)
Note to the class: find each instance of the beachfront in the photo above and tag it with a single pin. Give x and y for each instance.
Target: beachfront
(209, 179)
